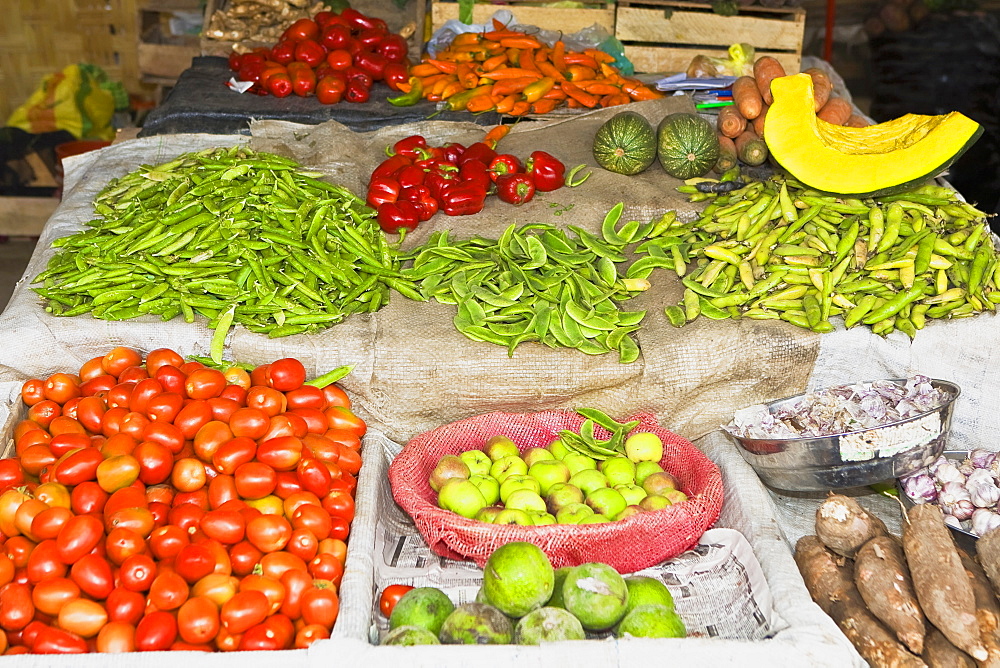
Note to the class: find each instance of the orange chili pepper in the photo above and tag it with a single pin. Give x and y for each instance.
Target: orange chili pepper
(573, 104)
(574, 58)
(610, 73)
(549, 70)
(494, 62)
(466, 39)
(507, 103)
(480, 103)
(599, 56)
(446, 66)
(544, 106)
(580, 73)
(615, 100)
(451, 88)
(423, 70)
(428, 82)
(514, 57)
(466, 76)
(527, 60)
(496, 133)
(542, 55)
(511, 73)
(521, 41)
(639, 91)
(581, 96)
(441, 84)
(497, 25)
(508, 86)
(501, 33)
(559, 55)
(535, 91)
(557, 94)
(599, 88)
(520, 108)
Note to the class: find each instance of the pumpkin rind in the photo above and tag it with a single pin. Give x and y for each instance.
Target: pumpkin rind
(625, 144)
(687, 145)
(873, 161)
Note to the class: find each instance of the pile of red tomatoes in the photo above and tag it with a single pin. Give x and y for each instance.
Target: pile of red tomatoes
(159, 504)
(332, 56)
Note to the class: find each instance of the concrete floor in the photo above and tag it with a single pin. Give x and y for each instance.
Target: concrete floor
(14, 255)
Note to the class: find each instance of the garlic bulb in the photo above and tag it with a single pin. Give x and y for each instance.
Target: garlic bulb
(920, 487)
(955, 499)
(983, 490)
(984, 521)
(948, 472)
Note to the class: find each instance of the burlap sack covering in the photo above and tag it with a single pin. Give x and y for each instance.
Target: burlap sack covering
(412, 370)
(653, 536)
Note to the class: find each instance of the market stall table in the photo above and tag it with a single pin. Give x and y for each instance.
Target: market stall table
(202, 102)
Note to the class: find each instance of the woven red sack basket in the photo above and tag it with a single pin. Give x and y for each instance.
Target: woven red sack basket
(628, 545)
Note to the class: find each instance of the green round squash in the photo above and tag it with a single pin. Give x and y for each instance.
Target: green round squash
(625, 144)
(687, 145)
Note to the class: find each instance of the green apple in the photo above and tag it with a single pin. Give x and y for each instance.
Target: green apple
(549, 472)
(573, 513)
(606, 501)
(498, 447)
(535, 455)
(644, 447)
(579, 462)
(618, 470)
(561, 495)
(525, 499)
(462, 497)
(542, 519)
(659, 482)
(448, 467)
(588, 480)
(488, 486)
(654, 502)
(477, 461)
(517, 481)
(513, 516)
(643, 469)
(488, 514)
(506, 466)
(558, 448)
(675, 496)
(594, 519)
(629, 511)
(633, 493)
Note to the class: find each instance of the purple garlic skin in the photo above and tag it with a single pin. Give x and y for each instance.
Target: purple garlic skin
(983, 490)
(984, 521)
(982, 459)
(955, 499)
(953, 522)
(920, 488)
(948, 473)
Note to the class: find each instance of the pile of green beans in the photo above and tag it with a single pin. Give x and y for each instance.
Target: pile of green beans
(777, 250)
(538, 283)
(234, 235)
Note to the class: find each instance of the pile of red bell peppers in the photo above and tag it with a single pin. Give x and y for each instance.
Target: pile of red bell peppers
(332, 56)
(417, 180)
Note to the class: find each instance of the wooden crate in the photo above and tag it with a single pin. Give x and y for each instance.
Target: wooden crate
(664, 35)
(532, 13)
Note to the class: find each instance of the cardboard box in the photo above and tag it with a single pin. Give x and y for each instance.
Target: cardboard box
(664, 35)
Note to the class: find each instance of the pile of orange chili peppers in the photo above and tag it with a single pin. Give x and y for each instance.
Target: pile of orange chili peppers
(514, 73)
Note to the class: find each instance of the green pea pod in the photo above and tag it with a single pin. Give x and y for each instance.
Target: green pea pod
(608, 226)
(675, 315)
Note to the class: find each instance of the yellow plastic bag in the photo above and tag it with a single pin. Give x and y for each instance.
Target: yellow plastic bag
(77, 100)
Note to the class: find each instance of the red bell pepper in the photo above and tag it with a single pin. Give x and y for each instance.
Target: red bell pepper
(548, 172)
(439, 181)
(515, 189)
(473, 171)
(382, 190)
(411, 175)
(390, 166)
(330, 89)
(452, 151)
(426, 204)
(505, 163)
(463, 199)
(478, 151)
(410, 147)
(395, 216)
(310, 52)
(396, 74)
(394, 48)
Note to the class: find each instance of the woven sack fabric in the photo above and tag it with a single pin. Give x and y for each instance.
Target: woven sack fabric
(628, 545)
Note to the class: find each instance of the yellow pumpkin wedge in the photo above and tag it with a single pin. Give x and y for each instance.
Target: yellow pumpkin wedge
(873, 161)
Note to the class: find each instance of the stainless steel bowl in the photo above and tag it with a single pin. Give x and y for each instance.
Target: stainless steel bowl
(854, 458)
(964, 539)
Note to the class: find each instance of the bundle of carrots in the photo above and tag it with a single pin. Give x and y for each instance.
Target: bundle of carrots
(514, 73)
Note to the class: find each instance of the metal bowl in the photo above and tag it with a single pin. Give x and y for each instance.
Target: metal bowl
(964, 539)
(850, 459)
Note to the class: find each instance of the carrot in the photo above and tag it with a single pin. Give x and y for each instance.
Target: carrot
(884, 583)
(543, 106)
(765, 70)
(939, 579)
(727, 155)
(730, 122)
(511, 73)
(822, 86)
(758, 123)
(746, 97)
(829, 583)
(581, 96)
(507, 103)
(750, 148)
(836, 111)
(844, 525)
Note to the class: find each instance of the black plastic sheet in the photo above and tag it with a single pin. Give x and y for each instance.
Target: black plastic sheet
(202, 102)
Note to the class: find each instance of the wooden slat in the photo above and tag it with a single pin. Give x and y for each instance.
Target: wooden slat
(25, 216)
(650, 58)
(640, 24)
(549, 18)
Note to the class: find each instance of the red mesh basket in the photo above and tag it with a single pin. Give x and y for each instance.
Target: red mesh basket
(628, 545)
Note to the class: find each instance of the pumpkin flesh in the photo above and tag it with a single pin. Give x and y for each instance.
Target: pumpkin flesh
(870, 161)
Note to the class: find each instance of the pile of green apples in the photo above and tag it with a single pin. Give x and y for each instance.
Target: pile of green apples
(499, 484)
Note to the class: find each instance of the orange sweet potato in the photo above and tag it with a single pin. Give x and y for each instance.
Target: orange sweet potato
(730, 122)
(746, 97)
(836, 111)
(822, 86)
(765, 70)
